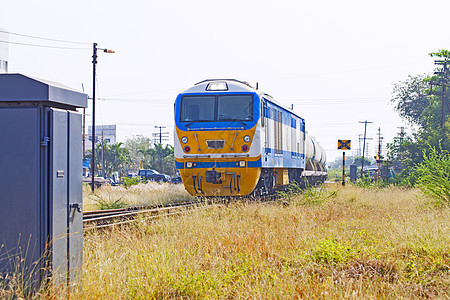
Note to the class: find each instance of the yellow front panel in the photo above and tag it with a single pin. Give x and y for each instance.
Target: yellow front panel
(233, 140)
(236, 178)
(235, 181)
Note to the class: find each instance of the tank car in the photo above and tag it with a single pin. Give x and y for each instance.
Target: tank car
(231, 139)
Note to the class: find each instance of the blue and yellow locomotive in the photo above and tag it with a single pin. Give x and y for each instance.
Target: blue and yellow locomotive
(234, 140)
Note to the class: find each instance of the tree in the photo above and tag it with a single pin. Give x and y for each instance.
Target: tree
(159, 158)
(358, 161)
(416, 101)
(135, 145)
(411, 99)
(115, 158)
(349, 160)
(422, 106)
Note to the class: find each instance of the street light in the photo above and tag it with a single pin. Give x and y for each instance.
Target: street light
(94, 63)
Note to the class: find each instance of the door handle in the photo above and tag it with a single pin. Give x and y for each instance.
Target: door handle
(77, 206)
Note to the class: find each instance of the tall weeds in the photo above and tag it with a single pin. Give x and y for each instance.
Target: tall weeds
(150, 193)
(360, 243)
(434, 175)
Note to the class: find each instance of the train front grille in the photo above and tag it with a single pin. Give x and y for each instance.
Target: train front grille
(215, 144)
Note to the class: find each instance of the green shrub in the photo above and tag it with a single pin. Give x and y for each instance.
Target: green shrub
(307, 194)
(364, 181)
(102, 203)
(434, 175)
(329, 251)
(129, 181)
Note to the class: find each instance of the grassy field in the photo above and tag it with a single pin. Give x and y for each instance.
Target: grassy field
(337, 243)
(118, 196)
(340, 243)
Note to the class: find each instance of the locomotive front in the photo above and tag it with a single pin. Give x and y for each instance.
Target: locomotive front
(217, 139)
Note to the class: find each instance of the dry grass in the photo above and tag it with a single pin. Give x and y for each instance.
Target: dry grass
(342, 243)
(141, 194)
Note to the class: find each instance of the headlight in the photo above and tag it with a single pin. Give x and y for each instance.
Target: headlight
(247, 138)
(217, 86)
(184, 139)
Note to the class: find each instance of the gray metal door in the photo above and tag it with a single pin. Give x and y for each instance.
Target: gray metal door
(20, 218)
(75, 199)
(59, 192)
(67, 216)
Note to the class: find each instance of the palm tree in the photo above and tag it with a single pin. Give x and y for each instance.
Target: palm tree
(115, 158)
(159, 158)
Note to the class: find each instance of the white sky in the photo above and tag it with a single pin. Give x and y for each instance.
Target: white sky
(336, 61)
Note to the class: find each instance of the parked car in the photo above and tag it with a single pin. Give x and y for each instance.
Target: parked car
(176, 179)
(153, 175)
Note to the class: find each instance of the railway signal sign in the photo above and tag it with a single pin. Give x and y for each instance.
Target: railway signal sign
(344, 144)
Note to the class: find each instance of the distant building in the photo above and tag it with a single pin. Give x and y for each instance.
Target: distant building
(106, 132)
(4, 39)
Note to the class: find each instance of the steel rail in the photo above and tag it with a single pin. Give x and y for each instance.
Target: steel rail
(98, 219)
(107, 218)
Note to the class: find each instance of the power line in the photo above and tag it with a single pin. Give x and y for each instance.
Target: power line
(139, 100)
(43, 46)
(336, 101)
(308, 101)
(43, 38)
(345, 98)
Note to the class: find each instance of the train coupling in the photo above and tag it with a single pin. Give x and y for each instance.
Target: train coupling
(213, 177)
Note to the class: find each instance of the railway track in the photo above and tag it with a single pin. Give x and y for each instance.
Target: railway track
(98, 219)
(111, 217)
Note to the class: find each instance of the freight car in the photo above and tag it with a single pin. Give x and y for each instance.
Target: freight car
(231, 139)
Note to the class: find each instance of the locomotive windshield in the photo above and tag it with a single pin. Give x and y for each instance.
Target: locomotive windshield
(197, 108)
(216, 108)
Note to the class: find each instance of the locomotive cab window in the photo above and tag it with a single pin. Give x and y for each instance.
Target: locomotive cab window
(197, 108)
(235, 107)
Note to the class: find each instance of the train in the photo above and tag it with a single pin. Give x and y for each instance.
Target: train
(231, 139)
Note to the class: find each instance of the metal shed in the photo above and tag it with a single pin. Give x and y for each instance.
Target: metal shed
(41, 226)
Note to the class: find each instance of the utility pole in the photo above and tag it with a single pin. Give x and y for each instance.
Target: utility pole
(366, 154)
(161, 136)
(442, 81)
(359, 149)
(84, 129)
(103, 156)
(364, 145)
(402, 137)
(94, 63)
(360, 153)
(379, 142)
(378, 156)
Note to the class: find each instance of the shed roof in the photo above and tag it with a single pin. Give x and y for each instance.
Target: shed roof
(22, 88)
